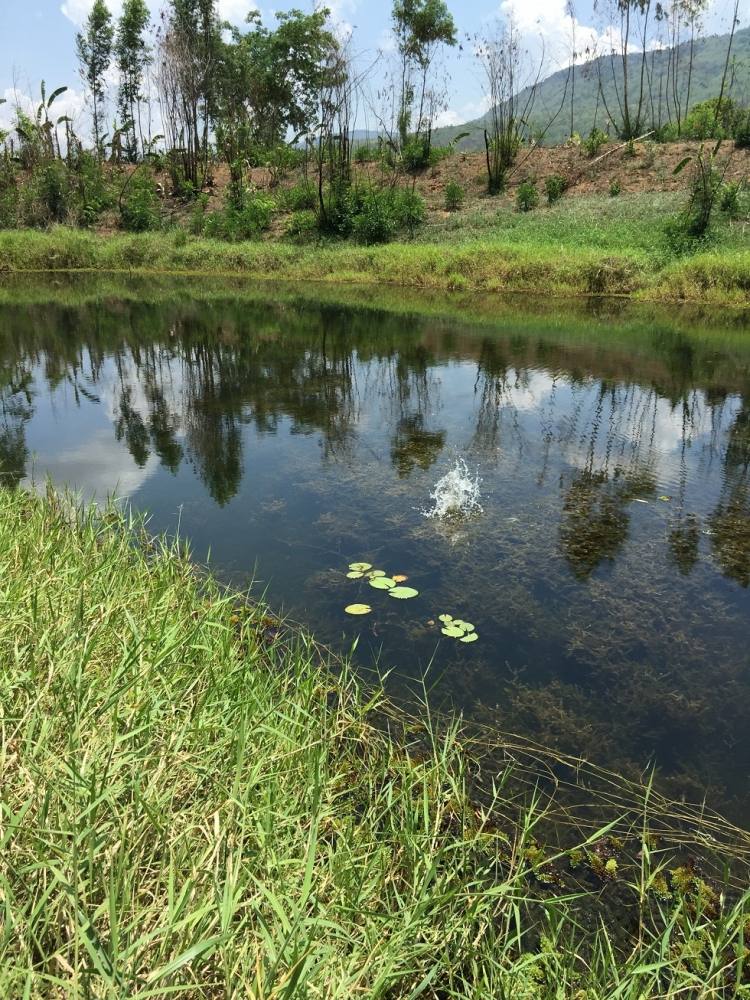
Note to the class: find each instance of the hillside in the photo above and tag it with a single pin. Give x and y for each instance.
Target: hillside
(708, 65)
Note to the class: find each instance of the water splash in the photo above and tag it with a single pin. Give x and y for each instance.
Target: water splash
(456, 494)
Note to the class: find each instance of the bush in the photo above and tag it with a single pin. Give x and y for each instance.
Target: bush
(299, 197)
(54, 191)
(365, 152)
(527, 196)
(245, 223)
(408, 209)
(614, 187)
(374, 220)
(139, 205)
(742, 130)
(594, 142)
(729, 198)
(712, 119)
(198, 214)
(302, 225)
(555, 187)
(93, 193)
(454, 196)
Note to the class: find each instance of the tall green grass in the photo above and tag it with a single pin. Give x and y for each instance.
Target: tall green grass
(195, 806)
(531, 260)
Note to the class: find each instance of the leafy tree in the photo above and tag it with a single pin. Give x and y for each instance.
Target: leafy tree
(268, 83)
(94, 49)
(132, 56)
(420, 27)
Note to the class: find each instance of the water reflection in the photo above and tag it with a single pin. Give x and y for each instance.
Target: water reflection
(609, 575)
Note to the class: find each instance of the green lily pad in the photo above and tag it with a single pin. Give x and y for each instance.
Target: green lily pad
(382, 583)
(360, 567)
(402, 593)
(452, 631)
(358, 609)
(469, 637)
(374, 573)
(445, 618)
(354, 575)
(460, 623)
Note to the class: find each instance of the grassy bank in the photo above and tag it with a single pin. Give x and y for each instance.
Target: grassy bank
(485, 263)
(192, 805)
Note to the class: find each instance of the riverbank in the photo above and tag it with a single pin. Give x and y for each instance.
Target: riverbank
(483, 264)
(194, 803)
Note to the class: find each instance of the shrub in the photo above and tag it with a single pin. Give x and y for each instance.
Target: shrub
(712, 119)
(527, 196)
(615, 187)
(555, 187)
(454, 196)
(729, 198)
(198, 214)
(139, 203)
(245, 223)
(54, 191)
(594, 142)
(302, 225)
(742, 130)
(299, 197)
(374, 220)
(408, 209)
(365, 152)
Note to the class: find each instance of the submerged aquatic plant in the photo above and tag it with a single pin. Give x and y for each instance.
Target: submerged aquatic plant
(456, 494)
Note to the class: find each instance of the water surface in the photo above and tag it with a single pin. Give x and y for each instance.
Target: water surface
(286, 437)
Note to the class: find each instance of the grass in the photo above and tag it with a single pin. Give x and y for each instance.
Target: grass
(579, 246)
(193, 805)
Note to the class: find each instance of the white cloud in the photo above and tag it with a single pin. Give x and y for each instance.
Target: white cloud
(71, 103)
(234, 11)
(462, 113)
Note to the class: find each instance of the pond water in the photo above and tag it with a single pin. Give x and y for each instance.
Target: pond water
(607, 574)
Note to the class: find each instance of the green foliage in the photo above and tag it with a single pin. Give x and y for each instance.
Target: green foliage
(93, 191)
(742, 130)
(302, 226)
(139, 204)
(615, 187)
(454, 196)
(408, 209)
(54, 191)
(94, 49)
(374, 218)
(366, 152)
(300, 196)
(712, 119)
(198, 215)
(246, 222)
(527, 196)
(733, 199)
(132, 57)
(594, 142)
(555, 187)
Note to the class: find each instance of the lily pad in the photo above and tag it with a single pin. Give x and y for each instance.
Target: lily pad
(400, 577)
(375, 573)
(402, 593)
(360, 567)
(358, 609)
(445, 618)
(665, 498)
(466, 626)
(355, 574)
(469, 637)
(382, 583)
(452, 631)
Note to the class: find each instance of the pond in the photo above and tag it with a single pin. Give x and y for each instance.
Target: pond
(288, 435)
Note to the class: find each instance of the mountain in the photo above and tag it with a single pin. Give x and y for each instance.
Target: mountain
(708, 66)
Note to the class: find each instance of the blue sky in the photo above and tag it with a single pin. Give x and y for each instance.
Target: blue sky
(37, 41)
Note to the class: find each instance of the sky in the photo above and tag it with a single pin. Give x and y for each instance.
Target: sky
(37, 42)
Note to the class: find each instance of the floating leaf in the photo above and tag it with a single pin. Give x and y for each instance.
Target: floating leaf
(445, 618)
(452, 631)
(360, 567)
(382, 583)
(465, 626)
(375, 573)
(354, 575)
(402, 593)
(358, 609)
(470, 637)
(665, 498)
(400, 577)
